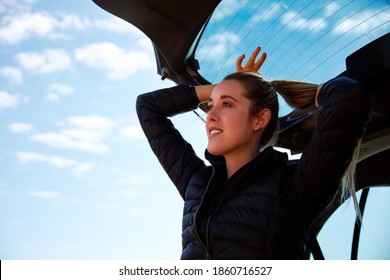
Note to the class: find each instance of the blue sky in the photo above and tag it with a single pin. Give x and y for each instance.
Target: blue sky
(77, 177)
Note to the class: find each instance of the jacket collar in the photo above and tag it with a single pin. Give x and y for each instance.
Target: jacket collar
(268, 155)
(265, 163)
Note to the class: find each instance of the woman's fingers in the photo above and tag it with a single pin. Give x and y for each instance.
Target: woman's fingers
(252, 58)
(251, 65)
(260, 62)
(239, 61)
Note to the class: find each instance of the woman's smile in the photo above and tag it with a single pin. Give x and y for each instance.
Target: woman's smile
(214, 131)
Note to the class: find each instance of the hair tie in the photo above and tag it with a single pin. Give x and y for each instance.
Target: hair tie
(274, 85)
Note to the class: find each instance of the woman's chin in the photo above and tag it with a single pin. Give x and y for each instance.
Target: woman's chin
(214, 150)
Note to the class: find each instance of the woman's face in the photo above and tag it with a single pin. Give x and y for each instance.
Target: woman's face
(229, 125)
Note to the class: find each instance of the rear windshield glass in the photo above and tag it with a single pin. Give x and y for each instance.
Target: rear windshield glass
(305, 40)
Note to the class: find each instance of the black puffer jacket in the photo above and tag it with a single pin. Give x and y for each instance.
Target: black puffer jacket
(264, 211)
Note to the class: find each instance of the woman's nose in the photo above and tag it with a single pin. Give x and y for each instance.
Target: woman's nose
(212, 114)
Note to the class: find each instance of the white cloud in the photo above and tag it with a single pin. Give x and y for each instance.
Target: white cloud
(44, 194)
(12, 74)
(21, 127)
(293, 21)
(363, 22)
(146, 44)
(61, 162)
(47, 61)
(117, 63)
(7, 100)
(84, 133)
(331, 8)
(266, 14)
(58, 90)
(27, 157)
(219, 43)
(69, 21)
(132, 132)
(6, 4)
(77, 168)
(228, 8)
(16, 28)
(13, 6)
(61, 140)
(19, 27)
(19, 24)
(92, 122)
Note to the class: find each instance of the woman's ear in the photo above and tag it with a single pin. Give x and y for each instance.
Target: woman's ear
(261, 119)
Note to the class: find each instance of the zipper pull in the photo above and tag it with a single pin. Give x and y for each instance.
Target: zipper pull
(207, 255)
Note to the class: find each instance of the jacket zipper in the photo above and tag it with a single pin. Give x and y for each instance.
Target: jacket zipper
(205, 246)
(217, 208)
(232, 184)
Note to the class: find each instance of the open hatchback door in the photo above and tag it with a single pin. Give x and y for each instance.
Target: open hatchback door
(197, 42)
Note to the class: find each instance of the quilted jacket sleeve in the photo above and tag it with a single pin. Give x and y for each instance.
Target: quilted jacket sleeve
(174, 153)
(344, 112)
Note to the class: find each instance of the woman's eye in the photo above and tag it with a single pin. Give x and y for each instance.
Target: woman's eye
(207, 107)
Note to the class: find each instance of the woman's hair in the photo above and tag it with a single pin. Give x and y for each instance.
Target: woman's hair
(263, 94)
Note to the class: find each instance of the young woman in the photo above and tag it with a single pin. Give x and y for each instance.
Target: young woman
(250, 203)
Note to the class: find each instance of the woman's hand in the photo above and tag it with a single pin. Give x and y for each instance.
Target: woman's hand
(252, 65)
(204, 92)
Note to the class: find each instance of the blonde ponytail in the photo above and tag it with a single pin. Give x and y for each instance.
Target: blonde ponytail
(299, 95)
(348, 181)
